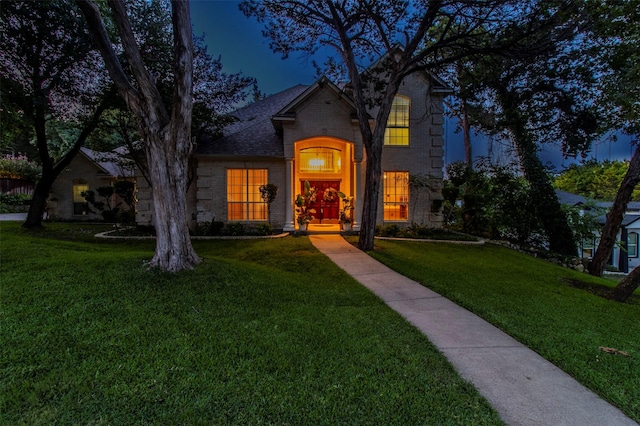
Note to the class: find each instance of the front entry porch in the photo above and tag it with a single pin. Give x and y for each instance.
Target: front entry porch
(320, 228)
(329, 166)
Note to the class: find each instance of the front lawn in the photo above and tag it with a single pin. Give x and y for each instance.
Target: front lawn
(555, 311)
(264, 332)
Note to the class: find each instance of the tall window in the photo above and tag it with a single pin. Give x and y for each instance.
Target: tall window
(632, 244)
(80, 205)
(396, 196)
(243, 194)
(397, 132)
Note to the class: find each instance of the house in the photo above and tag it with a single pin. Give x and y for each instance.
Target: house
(310, 134)
(625, 254)
(89, 170)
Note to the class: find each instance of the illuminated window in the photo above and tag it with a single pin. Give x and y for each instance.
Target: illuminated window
(244, 201)
(397, 132)
(587, 248)
(320, 160)
(80, 205)
(396, 196)
(632, 244)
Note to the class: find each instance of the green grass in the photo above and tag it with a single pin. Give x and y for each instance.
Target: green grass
(264, 332)
(555, 311)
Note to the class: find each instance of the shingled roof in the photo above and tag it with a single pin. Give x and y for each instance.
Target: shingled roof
(253, 134)
(109, 163)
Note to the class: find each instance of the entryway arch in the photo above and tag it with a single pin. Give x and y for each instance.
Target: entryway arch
(327, 163)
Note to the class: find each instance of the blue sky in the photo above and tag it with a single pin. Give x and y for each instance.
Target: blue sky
(240, 43)
(243, 48)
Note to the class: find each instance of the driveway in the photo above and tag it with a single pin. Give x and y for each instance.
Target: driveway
(13, 216)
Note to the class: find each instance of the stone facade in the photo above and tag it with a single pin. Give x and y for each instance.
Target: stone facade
(423, 158)
(279, 132)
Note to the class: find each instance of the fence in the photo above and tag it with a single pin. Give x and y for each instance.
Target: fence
(16, 186)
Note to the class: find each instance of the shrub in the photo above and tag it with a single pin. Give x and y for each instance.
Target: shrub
(390, 230)
(209, 229)
(264, 229)
(11, 203)
(19, 167)
(235, 229)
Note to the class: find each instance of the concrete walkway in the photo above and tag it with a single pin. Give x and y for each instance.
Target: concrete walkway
(523, 387)
(13, 216)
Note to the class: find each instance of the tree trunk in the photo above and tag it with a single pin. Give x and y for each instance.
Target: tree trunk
(174, 251)
(370, 202)
(466, 135)
(51, 170)
(168, 135)
(615, 216)
(38, 203)
(626, 287)
(548, 209)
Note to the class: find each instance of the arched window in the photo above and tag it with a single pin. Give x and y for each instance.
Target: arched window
(632, 244)
(80, 205)
(320, 160)
(397, 132)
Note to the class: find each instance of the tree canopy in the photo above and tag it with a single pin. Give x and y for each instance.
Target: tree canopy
(52, 83)
(595, 180)
(403, 37)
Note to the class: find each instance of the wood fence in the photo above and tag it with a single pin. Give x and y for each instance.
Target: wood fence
(16, 186)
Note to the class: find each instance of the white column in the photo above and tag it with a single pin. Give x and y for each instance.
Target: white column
(358, 196)
(289, 225)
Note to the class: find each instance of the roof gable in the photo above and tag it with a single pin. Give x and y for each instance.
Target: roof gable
(323, 83)
(253, 133)
(106, 162)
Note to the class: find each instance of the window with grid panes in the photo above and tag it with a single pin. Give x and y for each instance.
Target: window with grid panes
(397, 131)
(632, 244)
(396, 196)
(80, 205)
(244, 202)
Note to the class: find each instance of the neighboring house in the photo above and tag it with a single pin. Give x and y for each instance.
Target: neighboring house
(89, 170)
(310, 133)
(625, 254)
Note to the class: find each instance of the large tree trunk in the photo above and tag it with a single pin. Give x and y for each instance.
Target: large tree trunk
(38, 204)
(554, 220)
(168, 137)
(615, 216)
(548, 208)
(627, 286)
(174, 251)
(370, 202)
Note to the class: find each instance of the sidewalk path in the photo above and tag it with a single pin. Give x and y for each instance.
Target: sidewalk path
(13, 216)
(522, 386)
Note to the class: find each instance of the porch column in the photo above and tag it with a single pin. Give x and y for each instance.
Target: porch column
(357, 196)
(289, 225)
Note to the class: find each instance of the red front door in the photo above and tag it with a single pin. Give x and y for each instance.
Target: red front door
(327, 204)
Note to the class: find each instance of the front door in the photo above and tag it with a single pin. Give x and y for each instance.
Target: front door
(327, 203)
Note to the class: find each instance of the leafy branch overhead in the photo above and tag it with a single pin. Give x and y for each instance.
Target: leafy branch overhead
(378, 44)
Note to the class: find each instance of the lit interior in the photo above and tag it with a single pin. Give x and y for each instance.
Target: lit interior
(396, 196)
(320, 160)
(244, 201)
